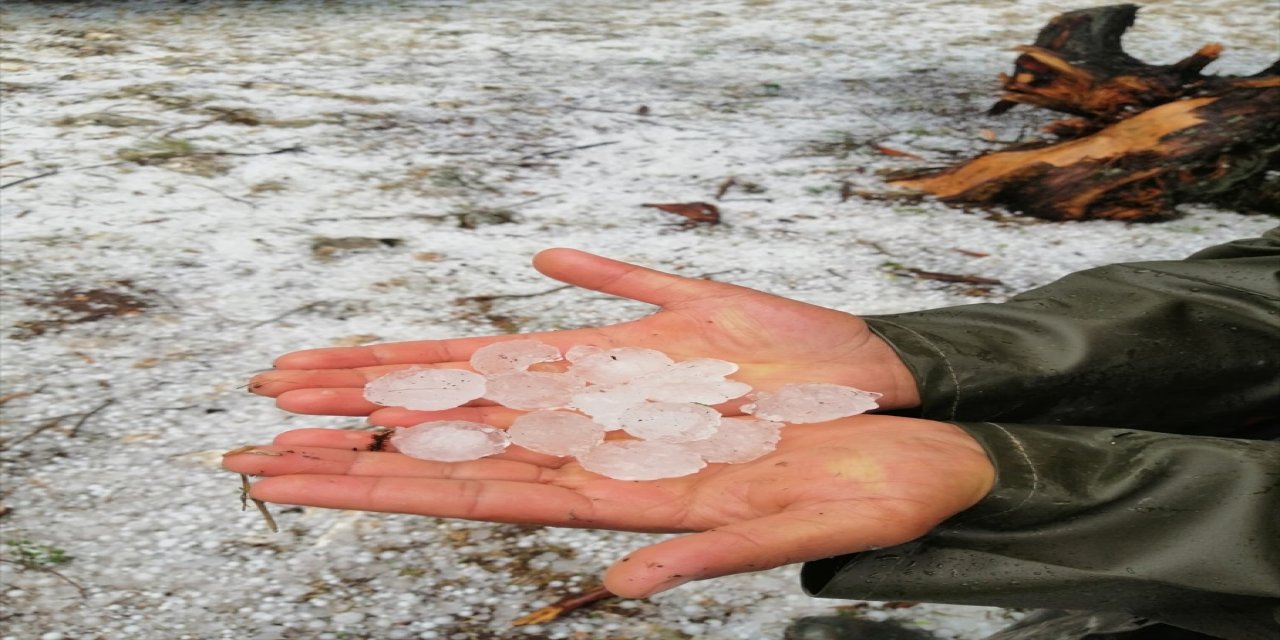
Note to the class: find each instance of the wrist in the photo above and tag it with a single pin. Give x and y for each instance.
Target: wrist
(897, 383)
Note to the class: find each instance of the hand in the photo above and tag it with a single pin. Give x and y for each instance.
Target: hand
(829, 489)
(775, 340)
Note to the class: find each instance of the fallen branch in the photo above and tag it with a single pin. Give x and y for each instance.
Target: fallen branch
(1144, 138)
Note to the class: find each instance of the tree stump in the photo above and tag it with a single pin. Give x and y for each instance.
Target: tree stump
(1142, 138)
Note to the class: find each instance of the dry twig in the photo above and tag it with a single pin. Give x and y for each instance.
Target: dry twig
(245, 498)
(564, 605)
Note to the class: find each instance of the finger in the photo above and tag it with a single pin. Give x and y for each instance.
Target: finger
(381, 441)
(425, 352)
(274, 383)
(495, 415)
(470, 499)
(625, 280)
(756, 545)
(348, 439)
(412, 352)
(326, 402)
(295, 460)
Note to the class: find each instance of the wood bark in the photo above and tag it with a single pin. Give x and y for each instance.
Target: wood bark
(1141, 138)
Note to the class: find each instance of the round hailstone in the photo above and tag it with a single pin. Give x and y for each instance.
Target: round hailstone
(702, 392)
(556, 433)
(425, 389)
(530, 390)
(738, 440)
(580, 351)
(450, 440)
(641, 460)
(701, 380)
(698, 370)
(811, 402)
(606, 404)
(512, 356)
(670, 421)
(617, 366)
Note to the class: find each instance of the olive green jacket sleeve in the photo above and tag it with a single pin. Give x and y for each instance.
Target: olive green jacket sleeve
(1187, 346)
(1179, 529)
(1160, 522)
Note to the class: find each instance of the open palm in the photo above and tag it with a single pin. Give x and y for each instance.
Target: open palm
(839, 487)
(775, 340)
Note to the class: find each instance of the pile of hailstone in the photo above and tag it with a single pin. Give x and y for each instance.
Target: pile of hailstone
(574, 399)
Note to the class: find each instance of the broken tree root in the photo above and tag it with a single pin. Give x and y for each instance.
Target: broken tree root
(1144, 138)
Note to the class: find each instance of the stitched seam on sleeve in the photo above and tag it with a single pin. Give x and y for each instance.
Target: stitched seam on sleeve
(946, 363)
(1026, 459)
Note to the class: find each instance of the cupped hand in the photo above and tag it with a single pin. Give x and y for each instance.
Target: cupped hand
(829, 489)
(775, 340)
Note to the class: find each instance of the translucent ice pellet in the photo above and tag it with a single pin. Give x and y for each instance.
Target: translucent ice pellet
(606, 404)
(738, 440)
(641, 460)
(530, 390)
(557, 433)
(811, 402)
(617, 366)
(512, 356)
(670, 421)
(450, 441)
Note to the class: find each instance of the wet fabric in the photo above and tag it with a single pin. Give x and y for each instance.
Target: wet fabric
(1129, 411)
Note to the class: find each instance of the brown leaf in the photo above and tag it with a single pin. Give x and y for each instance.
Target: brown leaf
(696, 212)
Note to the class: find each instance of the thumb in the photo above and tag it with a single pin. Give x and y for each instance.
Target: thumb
(589, 271)
(817, 532)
